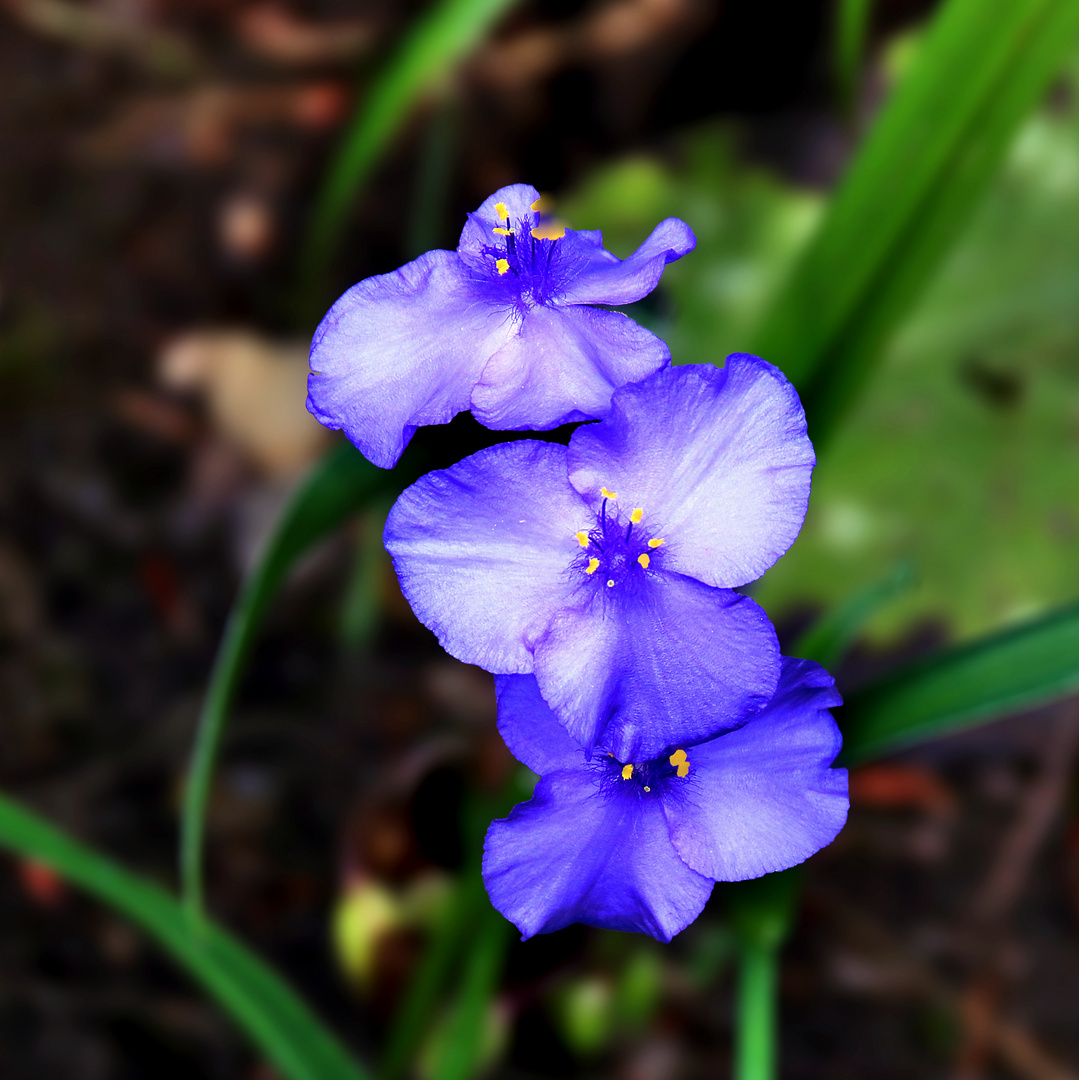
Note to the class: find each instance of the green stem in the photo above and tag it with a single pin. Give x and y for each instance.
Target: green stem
(278, 1022)
(755, 1034)
(340, 485)
(228, 666)
(852, 22)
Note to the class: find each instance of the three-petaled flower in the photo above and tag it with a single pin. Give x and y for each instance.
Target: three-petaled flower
(637, 845)
(607, 567)
(503, 326)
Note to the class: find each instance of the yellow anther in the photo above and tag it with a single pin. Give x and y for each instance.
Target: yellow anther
(502, 212)
(627, 772)
(679, 760)
(582, 538)
(644, 560)
(610, 583)
(608, 494)
(593, 566)
(544, 202)
(636, 516)
(549, 230)
(656, 542)
(499, 231)
(647, 788)
(502, 266)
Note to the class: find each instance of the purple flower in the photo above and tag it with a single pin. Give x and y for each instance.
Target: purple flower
(607, 568)
(501, 326)
(637, 844)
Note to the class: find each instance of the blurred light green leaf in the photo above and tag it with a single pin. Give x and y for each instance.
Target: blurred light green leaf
(750, 227)
(961, 455)
(275, 1020)
(956, 456)
(908, 191)
(983, 680)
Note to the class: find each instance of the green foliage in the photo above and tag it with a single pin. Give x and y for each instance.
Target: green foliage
(339, 486)
(911, 187)
(951, 458)
(275, 1020)
(851, 25)
(954, 457)
(989, 678)
(433, 46)
(750, 227)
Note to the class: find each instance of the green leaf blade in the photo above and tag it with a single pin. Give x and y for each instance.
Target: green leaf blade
(437, 42)
(262, 1005)
(342, 483)
(910, 190)
(1021, 668)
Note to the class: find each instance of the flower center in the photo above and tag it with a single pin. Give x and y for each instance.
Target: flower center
(524, 255)
(616, 552)
(644, 778)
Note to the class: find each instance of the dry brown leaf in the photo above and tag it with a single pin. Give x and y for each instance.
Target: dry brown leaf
(256, 389)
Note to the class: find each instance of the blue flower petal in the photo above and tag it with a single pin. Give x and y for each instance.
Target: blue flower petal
(482, 550)
(516, 201)
(673, 661)
(562, 365)
(764, 797)
(575, 854)
(402, 350)
(598, 277)
(718, 459)
(531, 730)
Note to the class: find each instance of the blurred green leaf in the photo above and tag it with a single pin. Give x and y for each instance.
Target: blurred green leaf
(438, 40)
(832, 634)
(956, 456)
(1019, 669)
(339, 486)
(360, 607)
(909, 190)
(851, 25)
(750, 227)
(275, 1020)
(472, 1036)
(466, 920)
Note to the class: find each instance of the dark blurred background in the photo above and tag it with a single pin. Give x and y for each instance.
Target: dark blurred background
(158, 162)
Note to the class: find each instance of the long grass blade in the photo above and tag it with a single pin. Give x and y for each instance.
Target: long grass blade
(909, 191)
(436, 43)
(342, 484)
(1021, 668)
(268, 1011)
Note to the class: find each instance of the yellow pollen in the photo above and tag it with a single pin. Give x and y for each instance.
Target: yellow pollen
(608, 494)
(647, 788)
(502, 212)
(593, 566)
(679, 760)
(636, 516)
(627, 772)
(656, 543)
(549, 230)
(582, 538)
(610, 583)
(502, 266)
(502, 232)
(644, 560)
